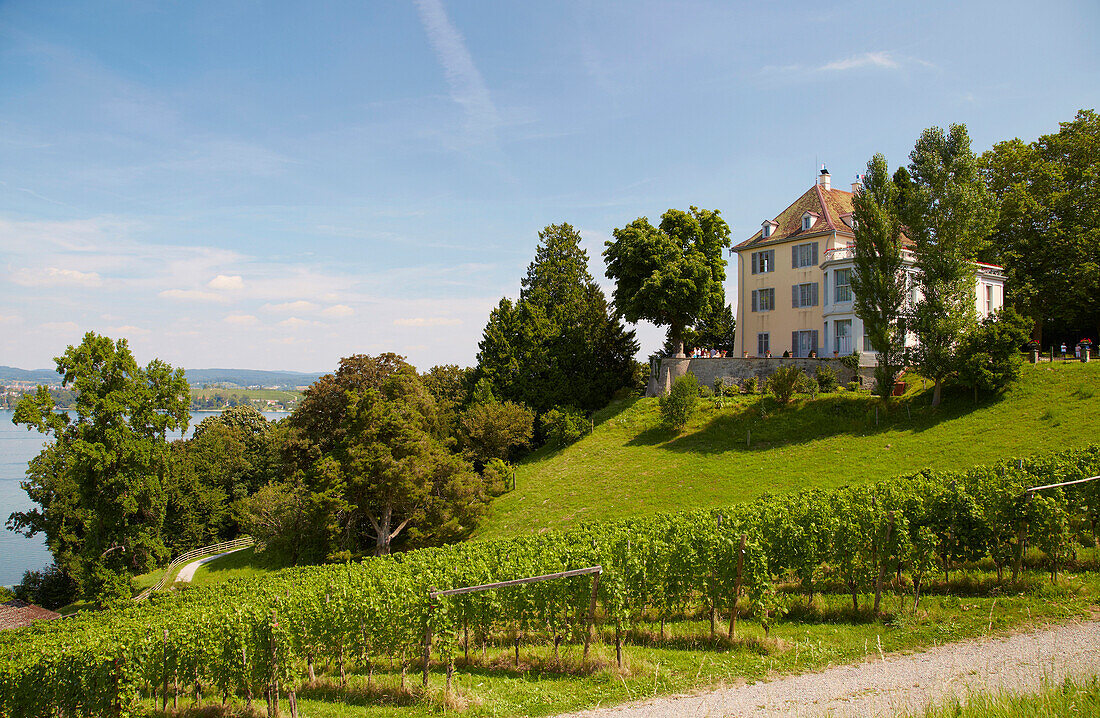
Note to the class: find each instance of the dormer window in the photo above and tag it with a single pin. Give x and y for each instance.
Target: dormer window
(767, 227)
(849, 219)
(808, 220)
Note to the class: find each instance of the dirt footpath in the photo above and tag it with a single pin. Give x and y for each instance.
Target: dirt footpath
(897, 684)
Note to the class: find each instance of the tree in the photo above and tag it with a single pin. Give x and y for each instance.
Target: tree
(948, 214)
(667, 274)
(107, 467)
(1047, 234)
(370, 460)
(397, 472)
(989, 355)
(494, 430)
(678, 406)
(558, 344)
(878, 281)
(714, 328)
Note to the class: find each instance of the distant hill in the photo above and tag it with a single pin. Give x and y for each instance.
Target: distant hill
(10, 373)
(196, 377)
(252, 377)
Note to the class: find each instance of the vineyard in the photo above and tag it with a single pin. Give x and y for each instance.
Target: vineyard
(264, 641)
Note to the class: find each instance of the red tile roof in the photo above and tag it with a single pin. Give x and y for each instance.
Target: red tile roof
(828, 204)
(16, 614)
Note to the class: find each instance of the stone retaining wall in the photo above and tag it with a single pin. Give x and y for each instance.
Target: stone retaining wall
(736, 370)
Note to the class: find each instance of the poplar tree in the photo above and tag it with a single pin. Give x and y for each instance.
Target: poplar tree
(949, 214)
(878, 281)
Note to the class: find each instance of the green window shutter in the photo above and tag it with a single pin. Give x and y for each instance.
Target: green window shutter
(814, 253)
(813, 300)
(813, 340)
(794, 257)
(794, 344)
(794, 296)
(754, 256)
(755, 302)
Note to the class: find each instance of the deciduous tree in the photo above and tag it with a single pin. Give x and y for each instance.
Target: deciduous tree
(107, 465)
(667, 274)
(948, 213)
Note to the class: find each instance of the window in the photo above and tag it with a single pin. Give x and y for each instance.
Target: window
(867, 342)
(804, 342)
(763, 344)
(807, 221)
(763, 300)
(763, 262)
(988, 299)
(766, 230)
(804, 255)
(804, 295)
(843, 333)
(843, 278)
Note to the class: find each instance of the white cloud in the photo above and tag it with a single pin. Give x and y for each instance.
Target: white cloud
(338, 310)
(55, 276)
(10, 319)
(240, 319)
(223, 281)
(127, 330)
(881, 59)
(65, 327)
(468, 87)
(192, 295)
(298, 307)
(296, 323)
(428, 322)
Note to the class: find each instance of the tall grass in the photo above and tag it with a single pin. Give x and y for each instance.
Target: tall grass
(1071, 698)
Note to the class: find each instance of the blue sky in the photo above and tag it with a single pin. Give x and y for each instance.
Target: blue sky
(277, 185)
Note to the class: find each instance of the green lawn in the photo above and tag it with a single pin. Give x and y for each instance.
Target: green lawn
(240, 564)
(630, 465)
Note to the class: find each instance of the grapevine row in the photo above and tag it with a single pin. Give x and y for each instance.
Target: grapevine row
(257, 638)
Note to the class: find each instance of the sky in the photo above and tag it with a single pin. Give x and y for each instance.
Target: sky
(278, 185)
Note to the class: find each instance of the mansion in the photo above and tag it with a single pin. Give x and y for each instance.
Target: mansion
(806, 252)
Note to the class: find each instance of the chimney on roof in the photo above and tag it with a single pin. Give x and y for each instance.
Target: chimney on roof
(857, 184)
(823, 178)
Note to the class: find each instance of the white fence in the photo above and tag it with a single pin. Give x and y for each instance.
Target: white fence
(242, 542)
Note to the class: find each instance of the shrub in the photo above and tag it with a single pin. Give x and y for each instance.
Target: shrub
(750, 385)
(494, 430)
(564, 425)
(853, 386)
(705, 391)
(676, 408)
(50, 588)
(851, 361)
(733, 389)
(719, 385)
(826, 379)
(785, 382)
(806, 385)
(498, 476)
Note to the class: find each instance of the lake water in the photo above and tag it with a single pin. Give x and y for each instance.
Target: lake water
(17, 447)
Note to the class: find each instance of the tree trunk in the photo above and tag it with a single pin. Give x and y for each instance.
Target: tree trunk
(382, 545)
(936, 392)
(677, 331)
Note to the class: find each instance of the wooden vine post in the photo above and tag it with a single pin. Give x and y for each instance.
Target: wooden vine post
(882, 560)
(428, 633)
(737, 586)
(591, 623)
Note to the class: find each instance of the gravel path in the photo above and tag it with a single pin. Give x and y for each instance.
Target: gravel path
(897, 684)
(188, 572)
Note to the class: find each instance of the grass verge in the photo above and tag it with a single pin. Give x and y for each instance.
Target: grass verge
(1069, 698)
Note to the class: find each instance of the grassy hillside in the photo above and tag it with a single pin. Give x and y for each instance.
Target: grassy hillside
(630, 465)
